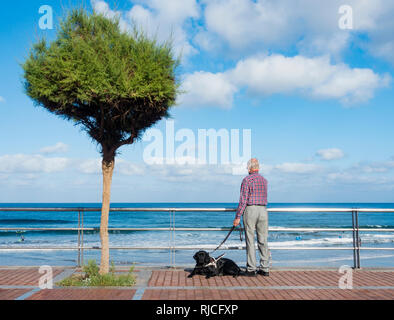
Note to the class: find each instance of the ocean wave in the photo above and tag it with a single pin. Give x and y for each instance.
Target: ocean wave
(326, 241)
(376, 226)
(33, 221)
(368, 226)
(96, 231)
(336, 259)
(147, 238)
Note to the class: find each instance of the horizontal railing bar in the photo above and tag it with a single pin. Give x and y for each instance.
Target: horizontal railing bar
(186, 248)
(330, 210)
(82, 210)
(122, 209)
(202, 229)
(49, 209)
(75, 209)
(175, 248)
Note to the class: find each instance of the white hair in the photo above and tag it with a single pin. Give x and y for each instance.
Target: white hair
(253, 165)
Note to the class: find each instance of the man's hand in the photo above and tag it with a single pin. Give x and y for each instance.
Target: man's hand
(236, 222)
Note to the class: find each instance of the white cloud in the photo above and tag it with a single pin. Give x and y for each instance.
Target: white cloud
(293, 167)
(351, 178)
(90, 166)
(311, 26)
(376, 19)
(174, 11)
(57, 148)
(103, 8)
(194, 173)
(160, 19)
(128, 168)
(165, 18)
(330, 154)
(241, 23)
(314, 77)
(378, 173)
(22, 163)
(2, 99)
(246, 25)
(251, 26)
(122, 167)
(207, 89)
(265, 75)
(375, 167)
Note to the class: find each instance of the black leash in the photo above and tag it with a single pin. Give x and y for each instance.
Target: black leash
(228, 235)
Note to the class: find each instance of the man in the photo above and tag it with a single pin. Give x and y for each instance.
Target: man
(253, 206)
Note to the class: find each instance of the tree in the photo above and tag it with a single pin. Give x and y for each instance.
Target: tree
(113, 84)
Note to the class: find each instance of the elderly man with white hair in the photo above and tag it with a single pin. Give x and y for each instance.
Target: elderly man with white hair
(253, 207)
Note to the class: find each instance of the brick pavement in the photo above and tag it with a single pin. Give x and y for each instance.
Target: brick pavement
(12, 294)
(23, 276)
(83, 294)
(302, 278)
(168, 284)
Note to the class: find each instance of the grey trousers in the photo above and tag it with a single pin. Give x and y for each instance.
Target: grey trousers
(256, 219)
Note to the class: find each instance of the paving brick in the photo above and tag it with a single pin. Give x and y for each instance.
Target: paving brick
(271, 294)
(276, 278)
(83, 294)
(23, 276)
(12, 294)
(169, 285)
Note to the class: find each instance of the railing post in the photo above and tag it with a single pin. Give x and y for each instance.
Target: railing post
(82, 244)
(358, 241)
(172, 238)
(79, 238)
(170, 241)
(354, 240)
(174, 263)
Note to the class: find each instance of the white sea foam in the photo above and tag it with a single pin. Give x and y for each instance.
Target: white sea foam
(206, 240)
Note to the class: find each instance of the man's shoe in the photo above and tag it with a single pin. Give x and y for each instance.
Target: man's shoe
(250, 273)
(263, 273)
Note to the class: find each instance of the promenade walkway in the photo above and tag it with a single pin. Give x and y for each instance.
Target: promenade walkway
(19, 283)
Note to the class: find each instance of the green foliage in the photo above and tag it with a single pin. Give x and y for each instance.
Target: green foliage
(113, 83)
(91, 269)
(112, 267)
(92, 278)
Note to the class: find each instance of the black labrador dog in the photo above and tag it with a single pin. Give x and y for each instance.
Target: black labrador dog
(211, 267)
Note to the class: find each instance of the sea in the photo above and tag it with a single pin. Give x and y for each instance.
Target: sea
(13, 243)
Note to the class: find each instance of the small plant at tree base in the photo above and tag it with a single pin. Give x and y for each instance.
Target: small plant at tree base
(91, 269)
(92, 278)
(112, 267)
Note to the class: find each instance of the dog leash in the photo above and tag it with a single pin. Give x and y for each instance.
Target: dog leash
(228, 235)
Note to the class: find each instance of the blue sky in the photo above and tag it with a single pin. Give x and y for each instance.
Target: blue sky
(317, 98)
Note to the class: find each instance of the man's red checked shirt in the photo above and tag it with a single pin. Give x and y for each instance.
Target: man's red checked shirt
(253, 192)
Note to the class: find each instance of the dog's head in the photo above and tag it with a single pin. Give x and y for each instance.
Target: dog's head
(202, 257)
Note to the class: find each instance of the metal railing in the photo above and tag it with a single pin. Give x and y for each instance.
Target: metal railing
(355, 229)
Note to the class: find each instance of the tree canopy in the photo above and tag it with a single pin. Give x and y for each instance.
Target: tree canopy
(115, 84)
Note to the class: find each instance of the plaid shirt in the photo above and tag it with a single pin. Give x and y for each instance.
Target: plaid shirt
(253, 192)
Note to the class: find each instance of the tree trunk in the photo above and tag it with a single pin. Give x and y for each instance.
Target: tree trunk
(108, 169)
